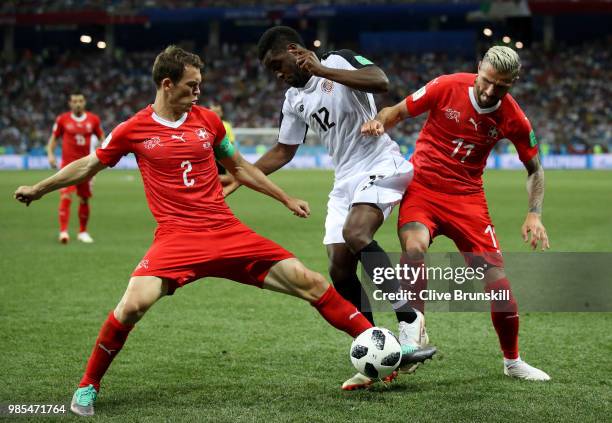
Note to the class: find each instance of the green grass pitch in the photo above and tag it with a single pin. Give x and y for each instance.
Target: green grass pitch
(218, 351)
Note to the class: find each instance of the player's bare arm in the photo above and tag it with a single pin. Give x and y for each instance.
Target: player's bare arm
(72, 174)
(249, 175)
(51, 151)
(275, 158)
(535, 191)
(369, 79)
(386, 119)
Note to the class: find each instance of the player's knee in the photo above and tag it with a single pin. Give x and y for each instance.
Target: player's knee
(415, 249)
(309, 285)
(130, 310)
(355, 239)
(494, 274)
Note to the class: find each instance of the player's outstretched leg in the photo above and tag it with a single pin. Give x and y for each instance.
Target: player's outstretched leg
(414, 238)
(505, 318)
(291, 277)
(142, 292)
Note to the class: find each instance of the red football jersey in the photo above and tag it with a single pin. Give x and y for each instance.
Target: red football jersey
(76, 134)
(177, 164)
(453, 146)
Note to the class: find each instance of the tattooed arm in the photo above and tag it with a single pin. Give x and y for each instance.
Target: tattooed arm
(535, 191)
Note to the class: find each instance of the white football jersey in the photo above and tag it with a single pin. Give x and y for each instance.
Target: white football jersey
(336, 112)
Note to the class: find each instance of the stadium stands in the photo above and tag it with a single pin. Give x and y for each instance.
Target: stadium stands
(565, 93)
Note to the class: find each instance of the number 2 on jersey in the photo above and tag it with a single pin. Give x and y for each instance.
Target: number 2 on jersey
(187, 165)
(467, 147)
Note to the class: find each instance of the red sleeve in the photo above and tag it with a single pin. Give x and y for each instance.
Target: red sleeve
(98, 128)
(425, 98)
(115, 146)
(523, 137)
(58, 128)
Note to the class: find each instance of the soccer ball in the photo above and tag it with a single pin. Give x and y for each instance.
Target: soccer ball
(376, 353)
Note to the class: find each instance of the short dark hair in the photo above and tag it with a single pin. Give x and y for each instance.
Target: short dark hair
(171, 63)
(277, 38)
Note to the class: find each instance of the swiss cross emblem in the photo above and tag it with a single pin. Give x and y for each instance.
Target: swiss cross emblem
(202, 134)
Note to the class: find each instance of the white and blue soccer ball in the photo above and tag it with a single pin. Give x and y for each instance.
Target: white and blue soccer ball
(376, 353)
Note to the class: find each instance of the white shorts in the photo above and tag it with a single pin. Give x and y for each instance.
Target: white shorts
(383, 186)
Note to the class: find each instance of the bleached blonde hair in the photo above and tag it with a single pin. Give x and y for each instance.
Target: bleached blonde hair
(504, 60)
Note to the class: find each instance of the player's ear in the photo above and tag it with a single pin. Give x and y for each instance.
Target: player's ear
(166, 83)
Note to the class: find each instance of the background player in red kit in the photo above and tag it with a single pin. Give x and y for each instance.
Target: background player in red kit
(77, 129)
(468, 115)
(176, 143)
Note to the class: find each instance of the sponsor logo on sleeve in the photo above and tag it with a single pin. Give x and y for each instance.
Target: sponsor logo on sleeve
(533, 141)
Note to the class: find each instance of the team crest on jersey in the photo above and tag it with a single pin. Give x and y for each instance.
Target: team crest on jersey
(327, 86)
(151, 143)
(202, 134)
(452, 114)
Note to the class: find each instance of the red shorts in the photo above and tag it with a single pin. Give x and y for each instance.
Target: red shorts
(236, 253)
(83, 189)
(463, 218)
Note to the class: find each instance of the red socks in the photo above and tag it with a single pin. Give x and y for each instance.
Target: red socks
(504, 315)
(83, 216)
(340, 313)
(110, 340)
(64, 213)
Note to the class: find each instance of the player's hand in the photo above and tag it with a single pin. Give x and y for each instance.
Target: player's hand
(373, 127)
(307, 60)
(299, 207)
(26, 194)
(52, 161)
(229, 184)
(533, 226)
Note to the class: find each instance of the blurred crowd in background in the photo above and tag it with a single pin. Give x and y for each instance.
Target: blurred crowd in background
(566, 94)
(131, 6)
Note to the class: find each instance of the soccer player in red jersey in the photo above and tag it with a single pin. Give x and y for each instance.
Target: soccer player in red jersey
(78, 130)
(468, 114)
(175, 143)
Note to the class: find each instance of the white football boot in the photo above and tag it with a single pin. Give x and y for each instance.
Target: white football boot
(412, 336)
(64, 237)
(520, 370)
(85, 237)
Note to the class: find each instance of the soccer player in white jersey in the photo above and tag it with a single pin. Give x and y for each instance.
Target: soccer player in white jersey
(333, 98)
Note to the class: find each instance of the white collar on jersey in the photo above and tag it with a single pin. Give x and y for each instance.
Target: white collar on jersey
(79, 119)
(169, 123)
(477, 107)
